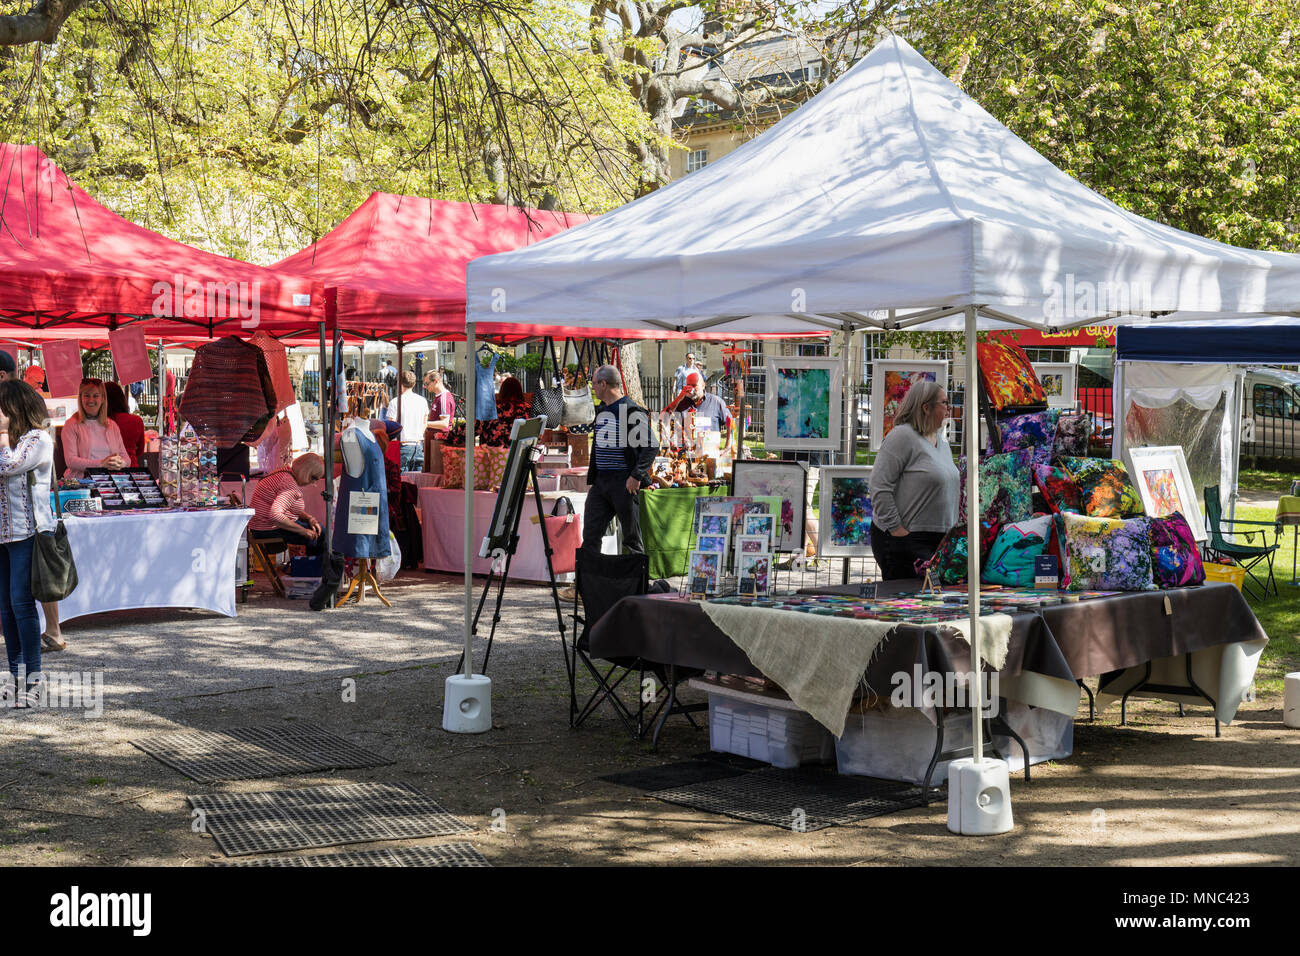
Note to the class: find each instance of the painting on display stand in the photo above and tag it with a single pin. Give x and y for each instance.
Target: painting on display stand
(1162, 480)
(845, 517)
(891, 379)
(758, 567)
(707, 565)
(1059, 381)
(803, 403)
(786, 480)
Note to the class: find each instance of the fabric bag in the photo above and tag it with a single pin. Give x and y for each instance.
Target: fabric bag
(564, 532)
(386, 568)
(548, 400)
(54, 573)
(573, 418)
(485, 394)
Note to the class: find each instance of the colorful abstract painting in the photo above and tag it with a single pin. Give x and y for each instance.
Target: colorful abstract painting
(1164, 492)
(712, 542)
(897, 385)
(786, 480)
(715, 524)
(891, 380)
(705, 564)
(803, 398)
(758, 567)
(845, 524)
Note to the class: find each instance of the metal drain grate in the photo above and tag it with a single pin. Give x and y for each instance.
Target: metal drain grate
(447, 854)
(277, 820)
(246, 753)
(803, 800)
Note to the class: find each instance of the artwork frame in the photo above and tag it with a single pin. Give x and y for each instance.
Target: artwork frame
(1151, 469)
(849, 538)
(714, 524)
(1068, 373)
(760, 525)
(706, 564)
(524, 436)
(751, 544)
(716, 543)
(887, 378)
(758, 567)
(804, 403)
(787, 480)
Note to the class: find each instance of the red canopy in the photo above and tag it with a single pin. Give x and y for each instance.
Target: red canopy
(68, 262)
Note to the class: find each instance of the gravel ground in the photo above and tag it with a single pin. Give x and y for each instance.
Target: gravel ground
(74, 791)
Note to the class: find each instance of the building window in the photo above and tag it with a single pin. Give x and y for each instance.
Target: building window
(697, 159)
(810, 350)
(812, 72)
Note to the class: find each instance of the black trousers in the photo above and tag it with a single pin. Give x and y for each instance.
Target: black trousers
(292, 537)
(897, 557)
(608, 499)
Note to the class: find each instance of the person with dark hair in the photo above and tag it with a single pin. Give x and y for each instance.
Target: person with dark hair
(621, 456)
(414, 414)
(131, 426)
(26, 474)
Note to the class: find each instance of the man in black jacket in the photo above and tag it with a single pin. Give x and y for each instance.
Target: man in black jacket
(622, 452)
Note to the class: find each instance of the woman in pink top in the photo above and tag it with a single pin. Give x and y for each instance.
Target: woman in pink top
(90, 438)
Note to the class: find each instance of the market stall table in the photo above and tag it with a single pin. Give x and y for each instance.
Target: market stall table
(154, 559)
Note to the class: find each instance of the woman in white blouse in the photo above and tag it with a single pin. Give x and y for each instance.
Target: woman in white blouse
(26, 472)
(90, 438)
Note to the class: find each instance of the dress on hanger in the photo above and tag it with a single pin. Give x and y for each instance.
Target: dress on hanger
(370, 480)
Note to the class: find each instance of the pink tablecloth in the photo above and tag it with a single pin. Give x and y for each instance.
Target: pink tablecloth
(442, 511)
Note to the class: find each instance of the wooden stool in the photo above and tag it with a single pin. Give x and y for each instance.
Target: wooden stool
(260, 551)
(365, 575)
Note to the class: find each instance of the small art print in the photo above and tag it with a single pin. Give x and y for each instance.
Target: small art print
(751, 544)
(715, 524)
(712, 542)
(1164, 492)
(759, 568)
(845, 511)
(761, 525)
(707, 565)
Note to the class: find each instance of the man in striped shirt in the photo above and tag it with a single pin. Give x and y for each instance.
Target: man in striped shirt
(278, 506)
(623, 451)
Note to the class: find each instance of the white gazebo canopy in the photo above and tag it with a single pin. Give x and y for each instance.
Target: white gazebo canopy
(890, 190)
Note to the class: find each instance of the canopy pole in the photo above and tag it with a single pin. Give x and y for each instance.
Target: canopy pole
(471, 388)
(162, 390)
(401, 436)
(327, 420)
(970, 413)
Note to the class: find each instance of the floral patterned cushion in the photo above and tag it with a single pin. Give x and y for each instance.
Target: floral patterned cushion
(489, 467)
(952, 560)
(1008, 376)
(1035, 432)
(1175, 559)
(1059, 490)
(1005, 491)
(1105, 487)
(1072, 431)
(1011, 558)
(1107, 554)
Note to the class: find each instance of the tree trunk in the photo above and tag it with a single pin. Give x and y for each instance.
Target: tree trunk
(630, 355)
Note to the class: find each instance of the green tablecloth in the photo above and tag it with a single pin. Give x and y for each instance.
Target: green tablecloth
(666, 516)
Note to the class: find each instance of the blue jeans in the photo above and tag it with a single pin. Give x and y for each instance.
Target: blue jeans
(22, 628)
(412, 456)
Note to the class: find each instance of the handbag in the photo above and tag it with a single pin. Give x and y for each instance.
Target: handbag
(54, 573)
(579, 407)
(564, 532)
(485, 395)
(548, 401)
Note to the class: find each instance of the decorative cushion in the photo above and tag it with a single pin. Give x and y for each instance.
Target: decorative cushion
(952, 560)
(1035, 432)
(1011, 557)
(489, 467)
(1175, 559)
(1059, 490)
(1105, 487)
(1072, 432)
(1005, 491)
(1008, 376)
(1107, 554)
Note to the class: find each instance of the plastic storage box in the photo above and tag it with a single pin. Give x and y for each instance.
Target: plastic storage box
(767, 729)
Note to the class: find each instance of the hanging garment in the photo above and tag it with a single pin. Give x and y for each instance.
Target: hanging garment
(371, 481)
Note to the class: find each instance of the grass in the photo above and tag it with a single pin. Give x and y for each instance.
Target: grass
(1275, 482)
(1280, 615)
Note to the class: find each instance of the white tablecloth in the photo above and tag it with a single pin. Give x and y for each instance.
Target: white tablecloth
(164, 559)
(442, 512)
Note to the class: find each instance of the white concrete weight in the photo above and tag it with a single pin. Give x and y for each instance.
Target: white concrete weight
(979, 797)
(467, 704)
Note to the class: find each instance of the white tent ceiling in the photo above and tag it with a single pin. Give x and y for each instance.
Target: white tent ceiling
(890, 190)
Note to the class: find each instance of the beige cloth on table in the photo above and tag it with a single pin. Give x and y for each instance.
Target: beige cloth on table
(818, 659)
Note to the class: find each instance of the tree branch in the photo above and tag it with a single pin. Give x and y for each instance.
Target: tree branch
(40, 24)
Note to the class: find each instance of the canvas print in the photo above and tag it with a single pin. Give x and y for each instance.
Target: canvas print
(761, 525)
(803, 403)
(785, 480)
(706, 564)
(1165, 486)
(715, 524)
(758, 567)
(1058, 380)
(890, 382)
(712, 542)
(845, 525)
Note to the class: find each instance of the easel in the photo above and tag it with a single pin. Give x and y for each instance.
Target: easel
(365, 575)
(509, 550)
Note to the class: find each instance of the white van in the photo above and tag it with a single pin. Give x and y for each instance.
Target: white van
(1271, 422)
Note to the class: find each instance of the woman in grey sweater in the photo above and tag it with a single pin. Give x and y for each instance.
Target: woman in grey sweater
(914, 484)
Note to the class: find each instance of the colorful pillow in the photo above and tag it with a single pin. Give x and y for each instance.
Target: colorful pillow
(1005, 491)
(1175, 559)
(489, 467)
(1105, 487)
(1059, 490)
(1008, 376)
(1035, 432)
(1072, 432)
(1107, 554)
(952, 560)
(1011, 557)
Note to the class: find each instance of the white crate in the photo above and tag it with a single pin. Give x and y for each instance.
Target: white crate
(777, 735)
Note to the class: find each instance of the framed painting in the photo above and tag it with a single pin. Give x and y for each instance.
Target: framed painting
(891, 379)
(758, 567)
(803, 403)
(1161, 478)
(1059, 381)
(752, 544)
(845, 515)
(787, 480)
(712, 542)
(760, 525)
(707, 565)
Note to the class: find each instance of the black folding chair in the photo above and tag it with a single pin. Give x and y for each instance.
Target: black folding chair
(602, 580)
(1246, 555)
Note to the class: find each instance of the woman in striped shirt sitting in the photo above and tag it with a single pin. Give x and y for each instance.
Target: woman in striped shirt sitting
(278, 506)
